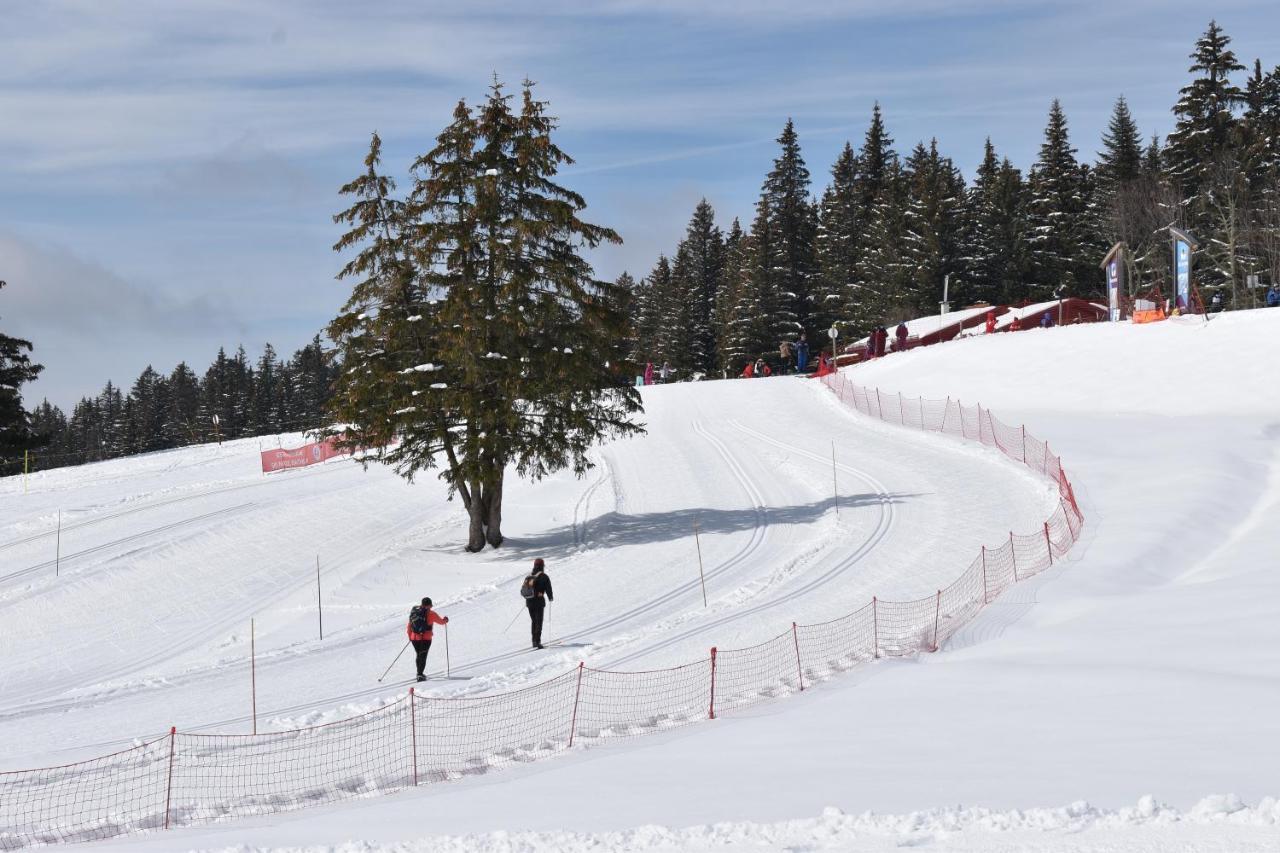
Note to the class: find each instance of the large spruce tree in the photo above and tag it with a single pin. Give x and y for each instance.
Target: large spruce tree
(836, 245)
(16, 369)
(476, 336)
(1058, 216)
(787, 266)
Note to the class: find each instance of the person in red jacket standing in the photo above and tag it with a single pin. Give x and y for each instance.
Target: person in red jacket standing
(421, 618)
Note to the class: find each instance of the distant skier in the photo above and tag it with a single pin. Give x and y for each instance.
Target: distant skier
(991, 322)
(901, 334)
(1016, 325)
(1046, 320)
(665, 372)
(421, 618)
(802, 354)
(648, 373)
(536, 590)
(784, 356)
(1273, 296)
(1217, 303)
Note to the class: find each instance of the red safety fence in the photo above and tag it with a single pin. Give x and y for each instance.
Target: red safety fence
(183, 779)
(300, 457)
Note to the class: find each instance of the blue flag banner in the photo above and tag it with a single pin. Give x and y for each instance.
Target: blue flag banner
(1182, 271)
(1113, 289)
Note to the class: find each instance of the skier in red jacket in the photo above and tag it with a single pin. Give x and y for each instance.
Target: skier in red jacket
(421, 618)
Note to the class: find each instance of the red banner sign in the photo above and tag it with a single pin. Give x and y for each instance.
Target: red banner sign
(300, 457)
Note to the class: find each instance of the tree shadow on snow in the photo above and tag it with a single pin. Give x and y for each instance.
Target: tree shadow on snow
(614, 529)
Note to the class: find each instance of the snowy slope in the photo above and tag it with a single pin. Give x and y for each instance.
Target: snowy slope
(1143, 666)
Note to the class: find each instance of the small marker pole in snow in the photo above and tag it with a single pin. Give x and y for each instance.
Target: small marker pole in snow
(26, 466)
(319, 606)
(393, 663)
(57, 552)
(702, 577)
(448, 671)
(835, 485)
(253, 675)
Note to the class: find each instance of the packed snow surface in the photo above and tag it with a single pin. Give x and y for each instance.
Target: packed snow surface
(1144, 664)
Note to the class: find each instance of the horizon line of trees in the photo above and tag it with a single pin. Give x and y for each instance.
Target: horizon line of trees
(160, 412)
(874, 247)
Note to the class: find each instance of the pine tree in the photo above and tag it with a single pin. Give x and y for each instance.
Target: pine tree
(733, 349)
(836, 244)
(1060, 235)
(652, 310)
(1206, 123)
(505, 358)
(931, 243)
(1119, 165)
(699, 272)
(16, 369)
(792, 223)
(878, 183)
(268, 394)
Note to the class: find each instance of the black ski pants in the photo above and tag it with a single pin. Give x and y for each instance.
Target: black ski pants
(422, 647)
(537, 607)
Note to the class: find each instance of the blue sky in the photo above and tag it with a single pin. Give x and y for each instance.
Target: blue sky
(168, 171)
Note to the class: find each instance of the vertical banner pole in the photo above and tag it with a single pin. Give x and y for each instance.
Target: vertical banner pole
(168, 785)
(57, 552)
(713, 683)
(835, 485)
(319, 606)
(795, 636)
(413, 734)
(577, 694)
(701, 577)
(253, 674)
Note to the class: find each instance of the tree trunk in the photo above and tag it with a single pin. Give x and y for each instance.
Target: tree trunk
(493, 529)
(477, 509)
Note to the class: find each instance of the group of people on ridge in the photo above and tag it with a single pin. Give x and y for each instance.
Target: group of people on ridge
(878, 341)
(535, 590)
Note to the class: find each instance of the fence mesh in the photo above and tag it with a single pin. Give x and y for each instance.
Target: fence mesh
(189, 778)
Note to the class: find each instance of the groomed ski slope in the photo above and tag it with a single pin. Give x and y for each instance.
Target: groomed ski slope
(1145, 665)
(166, 558)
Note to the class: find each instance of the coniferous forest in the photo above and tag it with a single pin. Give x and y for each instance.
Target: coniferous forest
(867, 243)
(873, 245)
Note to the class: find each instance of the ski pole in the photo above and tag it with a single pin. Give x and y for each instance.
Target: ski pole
(393, 663)
(513, 621)
(447, 671)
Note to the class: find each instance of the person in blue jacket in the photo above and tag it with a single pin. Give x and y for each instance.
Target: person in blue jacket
(1273, 296)
(802, 353)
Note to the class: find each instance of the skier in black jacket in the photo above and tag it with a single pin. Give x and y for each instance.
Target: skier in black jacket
(537, 603)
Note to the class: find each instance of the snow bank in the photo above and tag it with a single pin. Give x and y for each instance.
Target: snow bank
(1079, 826)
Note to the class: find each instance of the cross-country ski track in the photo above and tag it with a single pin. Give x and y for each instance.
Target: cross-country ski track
(731, 457)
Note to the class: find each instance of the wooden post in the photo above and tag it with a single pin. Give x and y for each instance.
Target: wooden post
(168, 786)
(26, 467)
(253, 675)
(835, 485)
(57, 549)
(985, 600)
(937, 618)
(875, 625)
(902, 418)
(713, 682)
(1024, 444)
(799, 670)
(577, 693)
(920, 403)
(946, 411)
(413, 735)
(1047, 544)
(448, 669)
(319, 606)
(1013, 555)
(701, 577)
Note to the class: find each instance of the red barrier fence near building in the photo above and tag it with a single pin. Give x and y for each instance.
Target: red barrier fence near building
(300, 457)
(183, 779)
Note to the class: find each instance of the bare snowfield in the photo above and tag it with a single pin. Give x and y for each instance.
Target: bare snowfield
(1144, 665)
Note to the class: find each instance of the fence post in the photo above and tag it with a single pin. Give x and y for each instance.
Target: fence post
(937, 618)
(1048, 546)
(1013, 555)
(902, 418)
(879, 404)
(945, 411)
(1024, 444)
(875, 625)
(168, 785)
(799, 670)
(1044, 466)
(413, 735)
(713, 683)
(573, 726)
(920, 402)
(984, 575)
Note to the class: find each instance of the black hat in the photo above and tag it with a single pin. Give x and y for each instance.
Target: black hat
(426, 602)
(538, 565)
